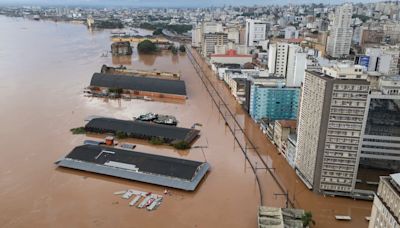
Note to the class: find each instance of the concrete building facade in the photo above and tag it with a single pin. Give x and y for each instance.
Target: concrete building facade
(331, 114)
(386, 206)
(210, 40)
(380, 150)
(383, 59)
(282, 129)
(339, 40)
(282, 59)
(274, 103)
(255, 31)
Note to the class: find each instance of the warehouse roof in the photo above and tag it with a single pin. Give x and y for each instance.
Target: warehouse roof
(139, 83)
(142, 128)
(133, 165)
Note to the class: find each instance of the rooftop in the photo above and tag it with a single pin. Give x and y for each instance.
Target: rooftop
(288, 123)
(273, 217)
(139, 83)
(139, 166)
(141, 129)
(121, 44)
(230, 53)
(391, 78)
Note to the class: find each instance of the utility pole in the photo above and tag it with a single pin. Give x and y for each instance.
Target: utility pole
(286, 195)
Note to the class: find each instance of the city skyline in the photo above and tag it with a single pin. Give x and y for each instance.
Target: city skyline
(169, 4)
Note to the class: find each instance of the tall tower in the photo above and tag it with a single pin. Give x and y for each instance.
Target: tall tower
(331, 116)
(282, 57)
(339, 40)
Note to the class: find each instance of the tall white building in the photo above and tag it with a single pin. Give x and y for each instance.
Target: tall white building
(255, 32)
(339, 40)
(197, 33)
(384, 59)
(296, 76)
(331, 116)
(282, 58)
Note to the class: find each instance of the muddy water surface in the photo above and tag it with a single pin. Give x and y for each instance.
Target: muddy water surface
(44, 67)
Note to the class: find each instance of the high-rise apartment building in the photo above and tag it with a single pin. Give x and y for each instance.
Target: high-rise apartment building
(339, 40)
(332, 109)
(255, 31)
(386, 207)
(281, 58)
(210, 40)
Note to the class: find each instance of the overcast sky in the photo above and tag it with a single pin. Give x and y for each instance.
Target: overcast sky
(169, 3)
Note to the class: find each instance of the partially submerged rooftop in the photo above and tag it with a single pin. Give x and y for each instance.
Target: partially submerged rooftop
(272, 217)
(149, 168)
(133, 83)
(142, 129)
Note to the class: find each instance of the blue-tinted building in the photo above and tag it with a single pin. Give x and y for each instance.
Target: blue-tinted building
(274, 103)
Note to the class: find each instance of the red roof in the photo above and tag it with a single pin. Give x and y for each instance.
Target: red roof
(230, 53)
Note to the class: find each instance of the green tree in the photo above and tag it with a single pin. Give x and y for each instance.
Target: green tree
(115, 90)
(182, 48)
(78, 130)
(181, 145)
(121, 135)
(146, 47)
(307, 219)
(156, 141)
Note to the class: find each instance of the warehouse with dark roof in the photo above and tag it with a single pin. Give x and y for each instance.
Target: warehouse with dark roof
(139, 86)
(149, 168)
(142, 130)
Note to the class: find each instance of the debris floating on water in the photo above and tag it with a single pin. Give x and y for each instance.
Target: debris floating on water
(150, 201)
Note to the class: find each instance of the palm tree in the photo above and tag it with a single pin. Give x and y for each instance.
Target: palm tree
(307, 219)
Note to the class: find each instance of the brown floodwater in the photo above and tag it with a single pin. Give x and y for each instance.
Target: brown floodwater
(45, 66)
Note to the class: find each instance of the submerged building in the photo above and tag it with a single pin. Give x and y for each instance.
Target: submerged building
(139, 86)
(273, 217)
(121, 48)
(142, 130)
(132, 165)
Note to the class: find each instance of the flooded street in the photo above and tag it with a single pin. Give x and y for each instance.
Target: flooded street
(45, 66)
